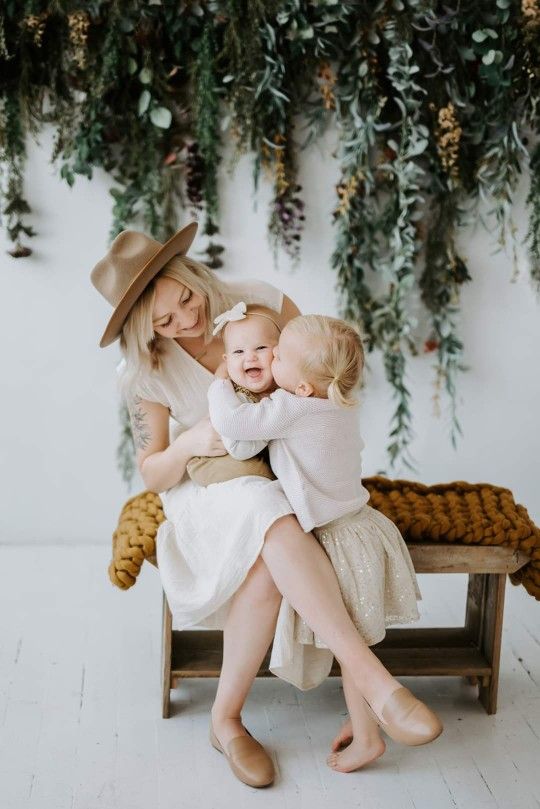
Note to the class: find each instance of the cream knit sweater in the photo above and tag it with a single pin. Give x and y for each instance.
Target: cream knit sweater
(315, 448)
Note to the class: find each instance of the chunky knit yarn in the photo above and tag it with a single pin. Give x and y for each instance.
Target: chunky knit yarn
(135, 538)
(459, 512)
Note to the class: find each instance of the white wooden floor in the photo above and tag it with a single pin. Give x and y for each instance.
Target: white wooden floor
(80, 724)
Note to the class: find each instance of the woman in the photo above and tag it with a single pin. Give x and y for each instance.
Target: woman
(227, 554)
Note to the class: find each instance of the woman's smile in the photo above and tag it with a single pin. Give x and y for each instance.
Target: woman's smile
(195, 325)
(178, 311)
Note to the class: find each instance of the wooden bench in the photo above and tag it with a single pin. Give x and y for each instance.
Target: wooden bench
(472, 650)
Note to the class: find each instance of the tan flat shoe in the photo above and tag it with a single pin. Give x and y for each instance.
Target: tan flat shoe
(248, 759)
(406, 719)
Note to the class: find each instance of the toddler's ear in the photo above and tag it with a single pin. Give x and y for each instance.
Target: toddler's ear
(224, 357)
(304, 389)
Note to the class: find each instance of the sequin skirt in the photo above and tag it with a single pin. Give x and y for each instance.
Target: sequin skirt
(375, 574)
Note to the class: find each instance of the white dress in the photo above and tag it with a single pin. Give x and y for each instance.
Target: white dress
(212, 535)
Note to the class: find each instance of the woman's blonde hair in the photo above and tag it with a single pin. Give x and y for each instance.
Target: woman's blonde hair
(334, 360)
(140, 345)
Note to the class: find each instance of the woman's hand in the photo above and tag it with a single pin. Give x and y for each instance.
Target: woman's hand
(221, 371)
(202, 439)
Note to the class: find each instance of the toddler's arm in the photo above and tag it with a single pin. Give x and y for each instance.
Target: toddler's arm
(242, 450)
(270, 418)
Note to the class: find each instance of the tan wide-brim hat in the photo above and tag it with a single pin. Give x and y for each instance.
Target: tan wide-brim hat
(132, 261)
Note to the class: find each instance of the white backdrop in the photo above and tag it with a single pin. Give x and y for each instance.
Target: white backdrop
(59, 429)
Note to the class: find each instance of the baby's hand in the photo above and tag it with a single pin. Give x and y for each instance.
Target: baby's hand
(221, 371)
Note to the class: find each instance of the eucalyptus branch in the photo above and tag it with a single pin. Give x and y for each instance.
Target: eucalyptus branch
(436, 106)
(533, 232)
(444, 274)
(13, 204)
(392, 323)
(499, 166)
(207, 120)
(125, 453)
(359, 117)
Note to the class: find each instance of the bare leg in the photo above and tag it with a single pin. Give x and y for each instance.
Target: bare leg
(366, 743)
(247, 634)
(304, 575)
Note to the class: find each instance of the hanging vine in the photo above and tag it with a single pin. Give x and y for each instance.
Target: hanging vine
(436, 110)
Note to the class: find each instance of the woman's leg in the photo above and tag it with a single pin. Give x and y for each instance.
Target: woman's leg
(248, 632)
(304, 575)
(366, 743)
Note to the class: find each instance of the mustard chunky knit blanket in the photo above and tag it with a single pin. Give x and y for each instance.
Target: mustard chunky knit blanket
(464, 513)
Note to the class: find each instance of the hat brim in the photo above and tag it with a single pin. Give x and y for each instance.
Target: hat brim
(178, 245)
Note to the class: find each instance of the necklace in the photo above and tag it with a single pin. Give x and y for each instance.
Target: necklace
(196, 357)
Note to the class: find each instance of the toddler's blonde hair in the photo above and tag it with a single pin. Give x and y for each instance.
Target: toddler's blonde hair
(334, 360)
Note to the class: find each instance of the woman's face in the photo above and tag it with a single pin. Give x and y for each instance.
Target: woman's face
(178, 311)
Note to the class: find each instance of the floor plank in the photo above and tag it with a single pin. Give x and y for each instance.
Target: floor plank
(80, 722)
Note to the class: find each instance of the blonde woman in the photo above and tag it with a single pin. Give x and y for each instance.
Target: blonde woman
(228, 553)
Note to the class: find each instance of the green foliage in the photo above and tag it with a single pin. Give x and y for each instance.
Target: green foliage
(435, 106)
(533, 234)
(125, 453)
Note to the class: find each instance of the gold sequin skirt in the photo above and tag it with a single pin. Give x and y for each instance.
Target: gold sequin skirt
(375, 574)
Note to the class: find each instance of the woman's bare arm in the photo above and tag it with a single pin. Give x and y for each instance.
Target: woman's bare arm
(161, 463)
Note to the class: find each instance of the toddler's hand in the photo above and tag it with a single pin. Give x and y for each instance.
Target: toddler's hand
(204, 440)
(221, 371)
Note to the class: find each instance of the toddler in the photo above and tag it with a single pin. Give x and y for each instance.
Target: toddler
(312, 426)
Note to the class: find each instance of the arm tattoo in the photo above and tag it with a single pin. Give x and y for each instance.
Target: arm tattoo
(141, 432)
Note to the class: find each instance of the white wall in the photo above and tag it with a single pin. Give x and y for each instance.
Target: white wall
(60, 428)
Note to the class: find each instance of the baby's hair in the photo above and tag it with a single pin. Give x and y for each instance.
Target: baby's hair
(335, 359)
(254, 309)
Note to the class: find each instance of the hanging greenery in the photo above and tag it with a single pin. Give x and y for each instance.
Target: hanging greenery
(436, 108)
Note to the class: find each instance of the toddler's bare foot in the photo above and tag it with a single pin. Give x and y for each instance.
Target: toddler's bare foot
(356, 755)
(344, 737)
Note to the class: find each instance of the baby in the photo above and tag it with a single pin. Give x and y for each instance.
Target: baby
(312, 425)
(248, 357)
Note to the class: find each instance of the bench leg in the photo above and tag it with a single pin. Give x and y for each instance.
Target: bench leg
(474, 614)
(484, 621)
(166, 640)
(491, 637)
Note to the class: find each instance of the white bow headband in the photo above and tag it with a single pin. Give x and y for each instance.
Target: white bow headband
(238, 312)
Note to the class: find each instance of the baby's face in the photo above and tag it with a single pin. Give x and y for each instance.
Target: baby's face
(249, 345)
(287, 364)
